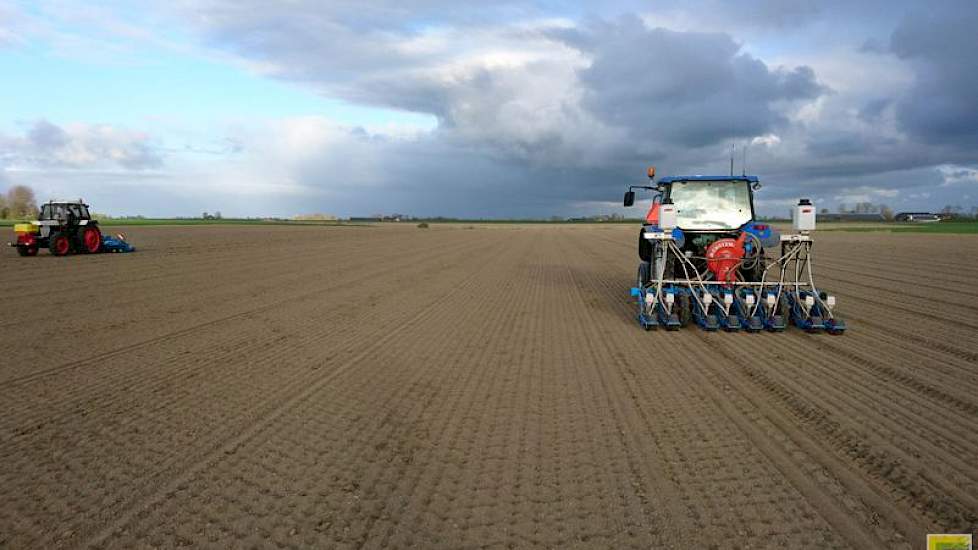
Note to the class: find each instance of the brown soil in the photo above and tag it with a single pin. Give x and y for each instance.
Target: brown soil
(392, 387)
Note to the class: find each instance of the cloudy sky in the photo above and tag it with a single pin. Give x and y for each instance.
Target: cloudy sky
(484, 109)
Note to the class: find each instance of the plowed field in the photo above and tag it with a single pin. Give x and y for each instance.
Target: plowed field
(474, 387)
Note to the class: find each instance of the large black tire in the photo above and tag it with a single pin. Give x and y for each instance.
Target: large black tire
(88, 239)
(644, 247)
(644, 274)
(59, 244)
(27, 250)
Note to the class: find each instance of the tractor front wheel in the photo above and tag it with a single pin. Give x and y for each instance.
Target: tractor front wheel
(27, 250)
(90, 240)
(59, 244)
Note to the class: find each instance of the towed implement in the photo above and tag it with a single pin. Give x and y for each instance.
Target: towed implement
(63, 228)
(706, 260)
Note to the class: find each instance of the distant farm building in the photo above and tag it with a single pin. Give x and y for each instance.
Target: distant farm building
(315, 217)
(917, 217)
(851, 217)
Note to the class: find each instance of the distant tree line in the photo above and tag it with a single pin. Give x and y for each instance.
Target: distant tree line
(952, 211)
(866, 208)
(18, 203)
(949, 211)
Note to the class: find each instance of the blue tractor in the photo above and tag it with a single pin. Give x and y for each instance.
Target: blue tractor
(705, 259)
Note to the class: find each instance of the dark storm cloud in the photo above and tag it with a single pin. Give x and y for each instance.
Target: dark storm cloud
(754, 14)
(335, 42)
(539, 110)
(940, 44)
(645, 92)
(521, 102)
(690, 88)
(494, 86)
(872, 110)
(837, 143)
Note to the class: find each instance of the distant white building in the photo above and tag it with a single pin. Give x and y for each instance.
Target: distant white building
(315, 217)
(917, 217)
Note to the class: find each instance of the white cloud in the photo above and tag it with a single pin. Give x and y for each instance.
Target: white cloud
(955, 175)
(523, 99)
(767, 140)
(80, 146)
(863, 193)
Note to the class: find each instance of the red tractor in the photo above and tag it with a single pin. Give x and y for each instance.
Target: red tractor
(62, 227)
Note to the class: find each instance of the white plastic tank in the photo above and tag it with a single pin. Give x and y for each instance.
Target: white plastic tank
(667, 215)
(803, 216)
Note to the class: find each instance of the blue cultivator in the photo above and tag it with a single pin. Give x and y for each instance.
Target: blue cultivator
(116, 243)
(654, 312)
(705, 260)
(813, 313)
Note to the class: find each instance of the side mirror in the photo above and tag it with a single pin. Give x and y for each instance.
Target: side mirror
(756, 185)
(629, 198)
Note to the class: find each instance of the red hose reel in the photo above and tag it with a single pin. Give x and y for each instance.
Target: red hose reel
(723, 256)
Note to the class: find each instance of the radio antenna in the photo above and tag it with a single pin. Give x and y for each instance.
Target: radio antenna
(732, 146)
(743, 164)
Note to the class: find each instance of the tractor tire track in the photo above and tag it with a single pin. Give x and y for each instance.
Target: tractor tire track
(408, 257)
(168, 465)
(261, 431)
(255, 350)
(839, 519)
(960, 518)
(479, 386)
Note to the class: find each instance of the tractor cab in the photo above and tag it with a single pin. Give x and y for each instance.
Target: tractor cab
(710, 203)
(64, 212)
(701, 203)
(700, 211)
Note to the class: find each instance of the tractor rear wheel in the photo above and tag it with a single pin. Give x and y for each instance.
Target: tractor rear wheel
(644, 274)
(59, 244)
(90, 240)
(644, 247)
